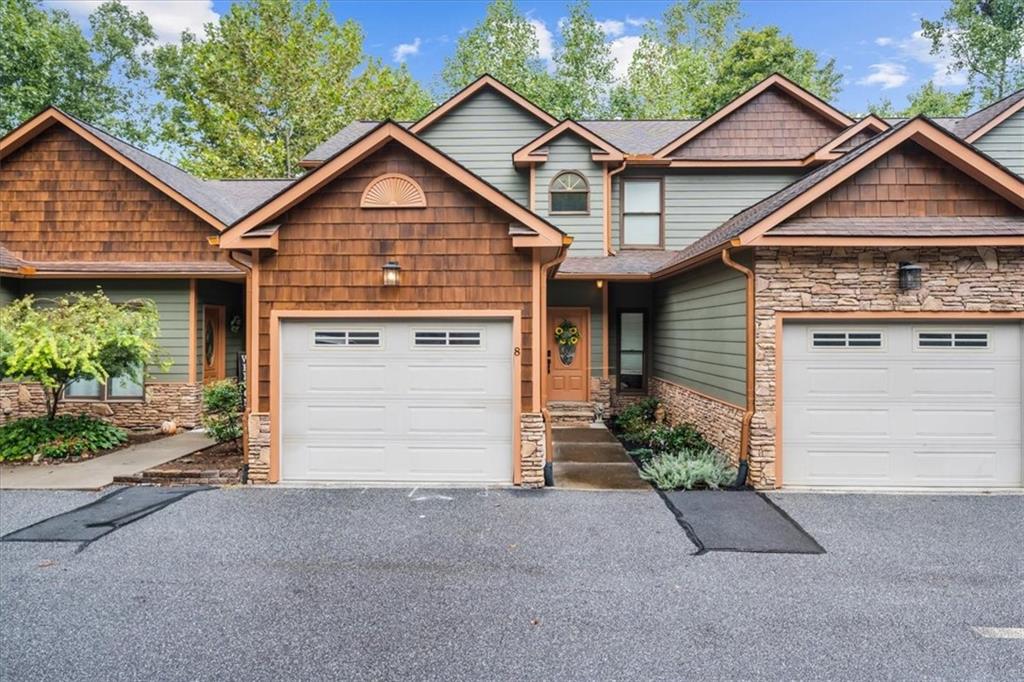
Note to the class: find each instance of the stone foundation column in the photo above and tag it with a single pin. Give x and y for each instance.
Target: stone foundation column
(259, 447)
(533, 449)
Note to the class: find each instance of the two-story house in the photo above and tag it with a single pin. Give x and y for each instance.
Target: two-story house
(839, 302)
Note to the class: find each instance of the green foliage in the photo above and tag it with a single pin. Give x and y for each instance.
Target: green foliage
(584, 67)
(665, 438)
(54, 342)
(696, 60)
(689, 469)
(47, 59)
(928, 100)
(642, 455)
(223, 406)
(64, 436)
(985, 39)
(268, 82)
(635, 420)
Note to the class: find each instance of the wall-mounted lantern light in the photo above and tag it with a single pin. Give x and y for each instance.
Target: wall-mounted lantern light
(600, 283)
(391, 273)
(910, 276)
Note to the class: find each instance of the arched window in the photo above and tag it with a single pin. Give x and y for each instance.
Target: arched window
(570, 193)
(393, 190)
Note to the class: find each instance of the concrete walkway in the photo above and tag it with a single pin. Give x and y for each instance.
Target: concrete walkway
(96, 473)
(592, 458)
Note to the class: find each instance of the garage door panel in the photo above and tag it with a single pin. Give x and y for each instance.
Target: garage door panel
(398, 411)
(901, 414)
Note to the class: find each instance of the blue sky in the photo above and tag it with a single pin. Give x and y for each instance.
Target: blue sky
(876, 44)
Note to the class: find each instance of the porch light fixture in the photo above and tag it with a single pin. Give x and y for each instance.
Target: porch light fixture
(910, 276)
(391, 271)
(600, 283)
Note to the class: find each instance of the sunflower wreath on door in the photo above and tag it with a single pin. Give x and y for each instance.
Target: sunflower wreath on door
(567, 335)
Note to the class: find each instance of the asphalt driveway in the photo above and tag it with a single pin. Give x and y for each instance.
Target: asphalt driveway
(291, 584)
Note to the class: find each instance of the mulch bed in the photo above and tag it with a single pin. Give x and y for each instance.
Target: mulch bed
(219, 464)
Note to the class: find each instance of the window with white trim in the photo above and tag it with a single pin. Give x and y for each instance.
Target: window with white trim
(447, 338)
(846, 339)
(932, 339)
(346, 337)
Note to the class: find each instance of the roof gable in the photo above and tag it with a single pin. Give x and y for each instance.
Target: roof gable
(541, 232)
(851, 138)
(732, 131)
(485, 82)
(536, 150)
(972, 128)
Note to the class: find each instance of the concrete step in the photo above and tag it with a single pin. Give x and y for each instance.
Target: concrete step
(582, 476)
(591, 453)
(598, 434)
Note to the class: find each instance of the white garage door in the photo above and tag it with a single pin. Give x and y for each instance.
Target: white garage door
(902, 404)
(396, 401)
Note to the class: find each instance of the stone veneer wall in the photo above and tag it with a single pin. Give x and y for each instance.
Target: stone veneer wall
(532, 453)
(600, 394)
(719, 422)
(843, 280)
(178, 402)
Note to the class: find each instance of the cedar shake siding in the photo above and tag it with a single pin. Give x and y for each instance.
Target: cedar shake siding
(909, 182)
(65, 200)
(454, 254)
(772, 126)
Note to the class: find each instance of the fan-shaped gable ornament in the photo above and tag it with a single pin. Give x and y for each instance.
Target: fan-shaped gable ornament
(393, 190)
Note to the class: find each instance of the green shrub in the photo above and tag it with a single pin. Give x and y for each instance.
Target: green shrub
(57, 438)
(664, 438)
(636, 418)
(689, 469)
(642, 455)
(222, 409)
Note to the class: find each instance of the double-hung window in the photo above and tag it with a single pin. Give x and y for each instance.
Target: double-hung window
(642, 213)
(128, 386)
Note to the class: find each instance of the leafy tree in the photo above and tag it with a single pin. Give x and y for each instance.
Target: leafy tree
(985, 38)
(45, 59)
(584, 67)
(505, 46)
(928, 100)
(269, 82)
(75, 337)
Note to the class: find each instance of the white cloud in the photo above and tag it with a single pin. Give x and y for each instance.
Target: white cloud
(887, 74)
(919, 48)
(622, 50)
(883, 41)
(612, 27)
(637, 22)
(403, 51)
(169, 19)
(545, 41)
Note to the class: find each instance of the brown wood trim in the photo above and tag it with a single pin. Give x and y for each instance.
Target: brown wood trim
(253, 359)
(585, 310)
(782, 317)
(611, 277)
(420, 201)
(485, 81)
(660, 246)
(552, 190)
(529, 153)
(606, 329)
(768, 240)
(995, 122)
(751, 357)
(370, 143)
(540, 330)
(220, 343)
(775, 80)
(826, 151)
(50, 116)
(31, 273)
(193, 322)
(276, 316)
(733, 163)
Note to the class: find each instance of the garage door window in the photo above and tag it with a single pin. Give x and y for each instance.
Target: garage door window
(448, 338)
(846, 339)
(335, 337)
(927, 340)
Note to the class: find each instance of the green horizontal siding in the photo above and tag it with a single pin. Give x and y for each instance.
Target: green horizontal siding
(699, 332)
(572, 153)
(170, 296)
(482, 133)
(583, 295)
(1005, 143)
(698, 202)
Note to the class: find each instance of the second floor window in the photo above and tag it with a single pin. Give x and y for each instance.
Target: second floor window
(570, 193)
(641, 213)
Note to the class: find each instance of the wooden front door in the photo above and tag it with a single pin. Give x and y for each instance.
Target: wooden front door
(214, 352)
(568, 354)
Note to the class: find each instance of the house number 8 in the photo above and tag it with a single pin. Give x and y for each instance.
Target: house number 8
(515, 351)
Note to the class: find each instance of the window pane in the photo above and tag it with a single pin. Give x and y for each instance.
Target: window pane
(631, 350)
(632, 331)
(125, 386)
(83, 388)
(632, 362)
(568, 201)
(642, 196)
(641, 230)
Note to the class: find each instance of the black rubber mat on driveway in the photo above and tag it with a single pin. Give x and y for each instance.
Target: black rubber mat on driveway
(105, 515)
(737, 521)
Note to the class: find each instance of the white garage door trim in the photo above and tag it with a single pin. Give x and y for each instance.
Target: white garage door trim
(278, 317)
(943, 333)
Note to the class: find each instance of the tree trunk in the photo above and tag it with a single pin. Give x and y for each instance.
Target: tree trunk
(53, 397)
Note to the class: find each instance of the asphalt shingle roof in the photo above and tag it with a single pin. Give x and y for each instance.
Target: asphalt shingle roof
(343, 138)
(977, 120)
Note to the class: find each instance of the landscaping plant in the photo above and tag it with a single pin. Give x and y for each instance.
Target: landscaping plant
(635, 420)
(57, 438)
(78, 336)
(222, 410)
(689, 469)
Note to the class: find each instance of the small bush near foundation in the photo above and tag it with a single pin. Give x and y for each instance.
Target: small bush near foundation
(684, 437)
(637, 418)
(222, 410)
(689, 469)
(642, 455)
(58, 438)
